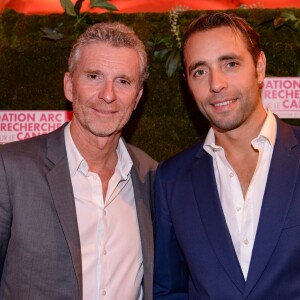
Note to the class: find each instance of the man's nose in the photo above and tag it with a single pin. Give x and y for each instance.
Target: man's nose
(107, 92)
(218, 81)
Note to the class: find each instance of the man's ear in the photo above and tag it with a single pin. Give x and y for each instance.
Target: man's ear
(261, 67)
(68, 88)
(138, 97)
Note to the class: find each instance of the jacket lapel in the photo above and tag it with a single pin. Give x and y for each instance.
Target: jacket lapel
(277, 198)
(142, 186)
(142, 180)
(61, 188)
(213, 219)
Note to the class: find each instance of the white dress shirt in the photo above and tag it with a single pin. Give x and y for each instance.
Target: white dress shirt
(242, 215)
(112, 262)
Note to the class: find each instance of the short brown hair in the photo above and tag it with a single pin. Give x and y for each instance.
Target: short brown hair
(214, 20)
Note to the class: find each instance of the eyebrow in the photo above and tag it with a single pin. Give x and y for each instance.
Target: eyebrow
(195, 65)
(98, 72)
(229, 57)
(90, 71)
(201, 63)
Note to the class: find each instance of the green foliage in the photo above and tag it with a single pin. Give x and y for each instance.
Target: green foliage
(52, 34)
(287, 18)
(74, 10)
(167, 119)
(168, 47)
(165, 51)
(103, 4)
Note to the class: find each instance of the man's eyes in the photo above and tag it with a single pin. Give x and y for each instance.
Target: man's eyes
(124, 81)
(229, 65)
(98, 76)
(93, 76)
(232, 64)
(199, 73)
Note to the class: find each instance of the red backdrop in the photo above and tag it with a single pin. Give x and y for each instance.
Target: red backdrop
(133, 6)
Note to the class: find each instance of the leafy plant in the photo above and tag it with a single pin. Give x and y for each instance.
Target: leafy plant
(52, 34)
(164, 49)
(168, 47)
(74, 9)
(287, 18)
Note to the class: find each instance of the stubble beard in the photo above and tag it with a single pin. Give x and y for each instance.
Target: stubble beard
(231, 120)
(93, 125)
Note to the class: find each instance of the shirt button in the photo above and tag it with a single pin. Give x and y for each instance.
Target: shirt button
(231, 174)
(238, 208)
(104, 252)
(246, 242)
(103, 292)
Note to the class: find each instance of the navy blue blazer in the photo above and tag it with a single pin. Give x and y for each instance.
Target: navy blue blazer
(195, 258)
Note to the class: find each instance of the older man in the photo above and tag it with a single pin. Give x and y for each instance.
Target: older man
(75, 211)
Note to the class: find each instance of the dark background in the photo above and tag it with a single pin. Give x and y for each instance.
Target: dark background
(167, 120)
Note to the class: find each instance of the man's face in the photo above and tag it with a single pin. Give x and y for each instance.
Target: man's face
(104, 88)
(223, 78)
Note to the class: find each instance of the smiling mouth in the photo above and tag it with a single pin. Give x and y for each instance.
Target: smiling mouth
(105, 112)
(225, 103)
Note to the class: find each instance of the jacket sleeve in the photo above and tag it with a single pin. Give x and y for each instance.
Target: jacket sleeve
(170, 269)
(5, 215)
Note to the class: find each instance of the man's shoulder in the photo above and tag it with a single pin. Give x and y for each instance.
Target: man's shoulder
(285, 127)
(31, 146)
(140, 157)
(183, 160)
(297, 131)
(24, 145)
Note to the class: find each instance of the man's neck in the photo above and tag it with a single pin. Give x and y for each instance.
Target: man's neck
(239, 139)
(239, 151)
(99, 153)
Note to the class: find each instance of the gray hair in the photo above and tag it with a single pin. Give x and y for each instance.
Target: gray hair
(115, 34)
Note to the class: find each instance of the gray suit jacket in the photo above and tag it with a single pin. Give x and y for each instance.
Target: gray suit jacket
(40, 255)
